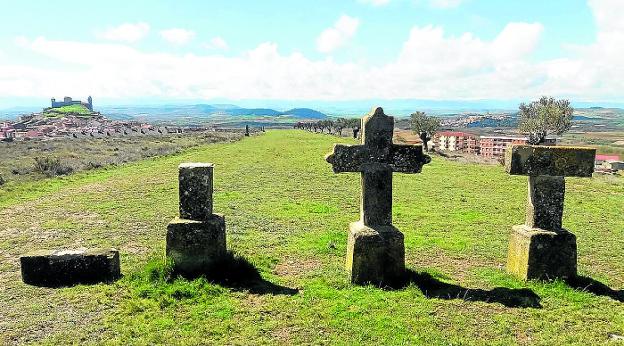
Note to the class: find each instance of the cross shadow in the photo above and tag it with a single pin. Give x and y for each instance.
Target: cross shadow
(434, 288)
(237, 273)
(587, 284)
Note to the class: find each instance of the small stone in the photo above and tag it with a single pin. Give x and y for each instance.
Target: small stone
(558, 161)
(196, 190)
(540, 254)
(194, 245)
(375, 255)
(57, 268)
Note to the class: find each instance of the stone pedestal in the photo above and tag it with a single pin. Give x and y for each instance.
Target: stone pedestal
(196, 239)
(194, 245)
(543, 255)
(375, 254)
(70, 267)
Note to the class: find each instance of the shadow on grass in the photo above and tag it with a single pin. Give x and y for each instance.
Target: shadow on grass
(434, 288)
(587, 284)
(237, 273)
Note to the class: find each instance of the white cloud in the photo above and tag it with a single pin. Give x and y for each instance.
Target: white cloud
(431, 64)
(445, 3)
(337, 35)
(177, 36)
(217, 43)
(375, 2)
(129, 32)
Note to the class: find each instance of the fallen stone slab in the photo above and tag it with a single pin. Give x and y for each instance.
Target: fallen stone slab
(56, 268)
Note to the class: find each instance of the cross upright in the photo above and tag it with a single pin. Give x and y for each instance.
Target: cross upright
(375, 251)
(376, 159)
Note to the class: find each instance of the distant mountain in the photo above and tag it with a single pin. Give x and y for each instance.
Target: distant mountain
(305, 113)
(204, 110)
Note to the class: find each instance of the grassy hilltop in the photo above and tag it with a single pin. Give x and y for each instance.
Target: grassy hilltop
(75, 110)
(287, 213)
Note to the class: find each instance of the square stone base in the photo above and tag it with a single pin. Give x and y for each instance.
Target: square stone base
(194, 245)
(539, 254)
(375, 255)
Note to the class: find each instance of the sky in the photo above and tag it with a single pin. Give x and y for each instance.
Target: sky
(150, 52)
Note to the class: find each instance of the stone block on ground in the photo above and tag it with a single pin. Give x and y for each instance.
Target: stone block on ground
(542, 255)
(55, 268)
(535, 160)
(375, 254)
(194, 246)
(196, 190)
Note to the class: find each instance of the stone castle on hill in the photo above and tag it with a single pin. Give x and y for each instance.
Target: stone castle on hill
(67, 101)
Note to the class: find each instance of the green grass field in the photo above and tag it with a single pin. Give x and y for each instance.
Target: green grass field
(287, 214)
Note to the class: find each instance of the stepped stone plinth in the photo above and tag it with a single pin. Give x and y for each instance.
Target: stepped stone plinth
(541, 248)
(375, 248)
(196, 240)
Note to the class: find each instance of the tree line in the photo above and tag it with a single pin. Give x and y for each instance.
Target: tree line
(333, 127)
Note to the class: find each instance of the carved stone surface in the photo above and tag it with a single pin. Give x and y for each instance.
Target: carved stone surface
(195, 190)
(543, 255)
(375, 255)
(536, 160)
(194, 245)
(545, 202)
(70, 267)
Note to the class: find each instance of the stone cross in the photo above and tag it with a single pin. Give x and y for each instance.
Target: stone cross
(375, 251)
(542, 248)
(196, 240)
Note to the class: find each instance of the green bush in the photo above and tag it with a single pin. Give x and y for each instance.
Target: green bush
(52, 166)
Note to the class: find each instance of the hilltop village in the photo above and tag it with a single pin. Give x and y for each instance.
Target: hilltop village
(74, 119)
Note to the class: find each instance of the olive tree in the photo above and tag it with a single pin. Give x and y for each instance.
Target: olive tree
(544, 117)
(425, 127)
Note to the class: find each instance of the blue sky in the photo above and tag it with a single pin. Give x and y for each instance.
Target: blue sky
(330, 50)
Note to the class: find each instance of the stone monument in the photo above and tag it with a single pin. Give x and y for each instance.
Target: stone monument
(196, 239)
(375, 249)
(541, 248)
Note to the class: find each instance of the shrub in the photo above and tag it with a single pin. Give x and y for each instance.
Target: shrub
(51, 166)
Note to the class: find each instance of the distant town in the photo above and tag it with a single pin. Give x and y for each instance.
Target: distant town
(75, 119)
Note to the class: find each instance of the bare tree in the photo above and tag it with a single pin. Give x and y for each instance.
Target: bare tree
(425, 127)
(545, 117)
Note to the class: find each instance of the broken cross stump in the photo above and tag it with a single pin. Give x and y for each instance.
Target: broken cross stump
(196, 239)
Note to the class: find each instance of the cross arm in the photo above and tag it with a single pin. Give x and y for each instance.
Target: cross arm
(359, 158)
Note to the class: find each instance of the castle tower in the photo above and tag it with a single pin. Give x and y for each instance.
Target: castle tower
(90, 102)
(52, 103)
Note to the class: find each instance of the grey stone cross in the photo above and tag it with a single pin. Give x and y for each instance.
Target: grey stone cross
(375, 251)
(542, 248)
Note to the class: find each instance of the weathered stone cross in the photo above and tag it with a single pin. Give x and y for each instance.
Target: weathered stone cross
(542, 248)
(375, 252)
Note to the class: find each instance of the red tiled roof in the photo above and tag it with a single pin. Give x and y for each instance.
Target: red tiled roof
(607, 158)
(453, 133)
